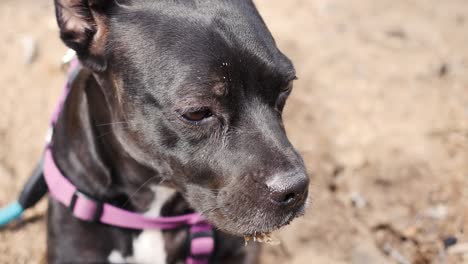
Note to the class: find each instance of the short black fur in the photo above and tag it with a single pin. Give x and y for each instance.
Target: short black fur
(122, 127)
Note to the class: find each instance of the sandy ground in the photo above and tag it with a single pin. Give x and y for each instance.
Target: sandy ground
(380, 113)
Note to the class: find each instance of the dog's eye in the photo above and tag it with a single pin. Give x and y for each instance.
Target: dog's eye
(287, 89)
(285, 92)
(198, 115)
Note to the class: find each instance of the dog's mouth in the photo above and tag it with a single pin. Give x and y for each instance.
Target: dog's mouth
(267, 236)
(254, 219)
(262, 237)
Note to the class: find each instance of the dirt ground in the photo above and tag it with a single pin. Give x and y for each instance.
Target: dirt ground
(380, 113)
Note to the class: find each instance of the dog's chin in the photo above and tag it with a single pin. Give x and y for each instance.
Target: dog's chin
(240, 215)
(260, 223)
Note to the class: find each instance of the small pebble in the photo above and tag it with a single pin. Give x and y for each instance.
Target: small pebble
(29, 49)
(358, 200)
(443, 70)
(397, 33)
(439, 212)
(450, 241)
(395, 254)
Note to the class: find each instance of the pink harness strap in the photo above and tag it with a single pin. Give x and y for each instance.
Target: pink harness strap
(83, 207)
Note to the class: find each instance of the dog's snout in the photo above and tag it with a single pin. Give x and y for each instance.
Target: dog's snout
(288, 190)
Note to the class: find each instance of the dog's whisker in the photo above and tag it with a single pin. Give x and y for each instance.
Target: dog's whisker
(139, 189)
(104, 134)
(109, 131)
(210, 210)
(112, 123)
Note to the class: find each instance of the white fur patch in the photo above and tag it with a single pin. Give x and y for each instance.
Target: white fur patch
(116, 258)
(148, 247)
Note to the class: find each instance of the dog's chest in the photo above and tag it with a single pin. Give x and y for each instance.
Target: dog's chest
(148, 246)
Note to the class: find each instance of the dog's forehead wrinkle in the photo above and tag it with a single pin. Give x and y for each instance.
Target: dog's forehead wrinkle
(186, 94)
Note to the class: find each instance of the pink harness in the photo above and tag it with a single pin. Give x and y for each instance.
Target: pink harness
(88, 209)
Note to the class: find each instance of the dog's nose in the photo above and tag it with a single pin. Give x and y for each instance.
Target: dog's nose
(288, 190)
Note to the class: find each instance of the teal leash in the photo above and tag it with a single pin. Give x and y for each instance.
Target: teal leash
(34, 189)
(10, 213)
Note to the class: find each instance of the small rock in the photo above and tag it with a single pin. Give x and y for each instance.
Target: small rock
(332, 187)
(439, 212)
(29, 49)
(450, 241)
(410, 232)
(357, 200)
(443, 70)
(338, 170)
(397, 33)
(395, 254)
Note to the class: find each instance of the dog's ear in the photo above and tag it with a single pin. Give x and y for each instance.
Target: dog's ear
(84, 28)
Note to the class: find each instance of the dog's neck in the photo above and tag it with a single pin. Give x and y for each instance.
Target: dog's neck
(87, 151)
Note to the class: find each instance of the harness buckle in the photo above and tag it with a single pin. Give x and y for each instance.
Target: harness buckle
(85, 208)
(201, 243)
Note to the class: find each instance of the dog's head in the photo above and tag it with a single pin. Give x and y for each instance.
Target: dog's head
(201, 87)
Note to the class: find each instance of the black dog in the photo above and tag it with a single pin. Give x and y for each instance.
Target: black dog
(178, 108)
